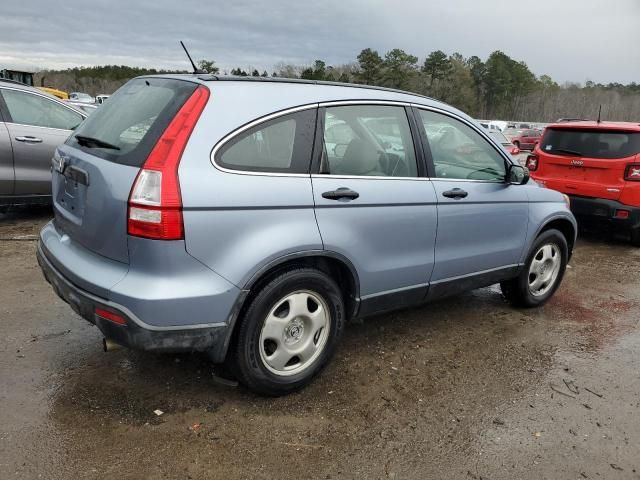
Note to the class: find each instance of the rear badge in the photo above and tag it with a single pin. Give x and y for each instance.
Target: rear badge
(577, 162)
(613, 190)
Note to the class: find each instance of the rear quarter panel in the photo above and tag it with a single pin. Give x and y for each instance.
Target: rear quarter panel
(237, 223)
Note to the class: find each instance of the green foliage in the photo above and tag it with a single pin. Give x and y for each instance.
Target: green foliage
(317, 72)
(437, 65)
(498, 88)
(399, 68)
(370, 66)
(208, 66)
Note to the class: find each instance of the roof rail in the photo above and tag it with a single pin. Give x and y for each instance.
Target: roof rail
(573, 120)
(235, 78)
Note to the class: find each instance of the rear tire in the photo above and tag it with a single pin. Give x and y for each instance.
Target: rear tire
(635, 237)
(516, 144)
(289, 332)
(542, 273)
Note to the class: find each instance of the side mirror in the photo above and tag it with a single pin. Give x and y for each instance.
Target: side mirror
(517, 175)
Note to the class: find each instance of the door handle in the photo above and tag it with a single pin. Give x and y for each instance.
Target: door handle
(456, 193)
(29, 139)
(341, 193)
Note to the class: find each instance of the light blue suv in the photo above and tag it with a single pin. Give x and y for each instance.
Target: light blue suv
(251, 219)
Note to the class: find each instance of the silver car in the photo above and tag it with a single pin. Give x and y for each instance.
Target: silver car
(250, 219)
(32, 125)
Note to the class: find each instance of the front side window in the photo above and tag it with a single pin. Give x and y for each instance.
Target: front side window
(368, 140)
(459, 152)
(30, 109)
(281, 145)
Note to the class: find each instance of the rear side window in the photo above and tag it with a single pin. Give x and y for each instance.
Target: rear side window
(280, 145)
(29, 109)
(594, 143)
(134, 118)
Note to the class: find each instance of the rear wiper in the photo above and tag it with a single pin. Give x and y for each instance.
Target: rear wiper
(568, 152)
(95, 142)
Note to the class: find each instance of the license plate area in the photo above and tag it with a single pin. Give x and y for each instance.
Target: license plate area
(72, 196)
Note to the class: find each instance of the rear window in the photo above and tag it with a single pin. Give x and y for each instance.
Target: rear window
(591, 143)
(133, 119)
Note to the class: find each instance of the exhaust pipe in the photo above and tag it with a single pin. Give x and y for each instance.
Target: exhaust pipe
(109, 345)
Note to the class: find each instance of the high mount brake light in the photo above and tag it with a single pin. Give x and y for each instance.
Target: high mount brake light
(155, 202)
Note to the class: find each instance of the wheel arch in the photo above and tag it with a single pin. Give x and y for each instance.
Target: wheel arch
(334, 264)
(565, 226)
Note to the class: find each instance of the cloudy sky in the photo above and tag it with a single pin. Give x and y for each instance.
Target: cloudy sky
(571, 40)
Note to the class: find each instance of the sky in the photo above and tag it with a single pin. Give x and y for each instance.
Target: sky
(570, 40)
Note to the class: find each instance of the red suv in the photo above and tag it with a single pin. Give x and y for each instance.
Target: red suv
(598, 165)
(524, 139)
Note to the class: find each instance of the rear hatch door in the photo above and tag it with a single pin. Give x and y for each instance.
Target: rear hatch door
(93, 172)
(588, 162)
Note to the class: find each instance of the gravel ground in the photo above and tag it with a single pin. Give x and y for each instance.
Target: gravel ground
(465, 388)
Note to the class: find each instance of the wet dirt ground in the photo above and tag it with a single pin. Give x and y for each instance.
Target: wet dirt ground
(466, 388)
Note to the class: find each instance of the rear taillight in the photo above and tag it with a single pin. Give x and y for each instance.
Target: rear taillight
(155, 203)
(632, 172)
(515, 150)
(532, 163)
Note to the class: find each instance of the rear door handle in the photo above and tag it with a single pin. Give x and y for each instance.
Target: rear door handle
(341, 193)
(29, 139)
(456, 193)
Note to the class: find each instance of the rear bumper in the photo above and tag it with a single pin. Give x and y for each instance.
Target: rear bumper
(206, 319)
(599, 209)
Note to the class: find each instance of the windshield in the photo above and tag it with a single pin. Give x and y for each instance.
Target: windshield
(594, 143)
(133, 119)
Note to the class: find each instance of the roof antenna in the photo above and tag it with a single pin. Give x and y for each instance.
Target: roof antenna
(599, 112)
(196, 70)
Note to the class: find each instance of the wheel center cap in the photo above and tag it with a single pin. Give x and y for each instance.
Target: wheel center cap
(294, 330)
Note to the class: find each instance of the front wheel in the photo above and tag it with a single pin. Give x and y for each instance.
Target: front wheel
(541, 274)
(289, 332)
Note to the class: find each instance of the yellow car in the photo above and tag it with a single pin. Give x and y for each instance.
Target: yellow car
(55, 92)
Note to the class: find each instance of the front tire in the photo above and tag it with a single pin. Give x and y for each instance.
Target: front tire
(289, 332)
(542, 273)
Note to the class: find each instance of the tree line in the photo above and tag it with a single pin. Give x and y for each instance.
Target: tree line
(499, 87)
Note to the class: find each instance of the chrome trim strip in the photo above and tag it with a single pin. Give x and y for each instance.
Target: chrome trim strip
(38, 126)
(51, 98)
(395, 290)
(339, 103)
(466, 180)
(287, 111)
(365, 177)
(481, 272)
